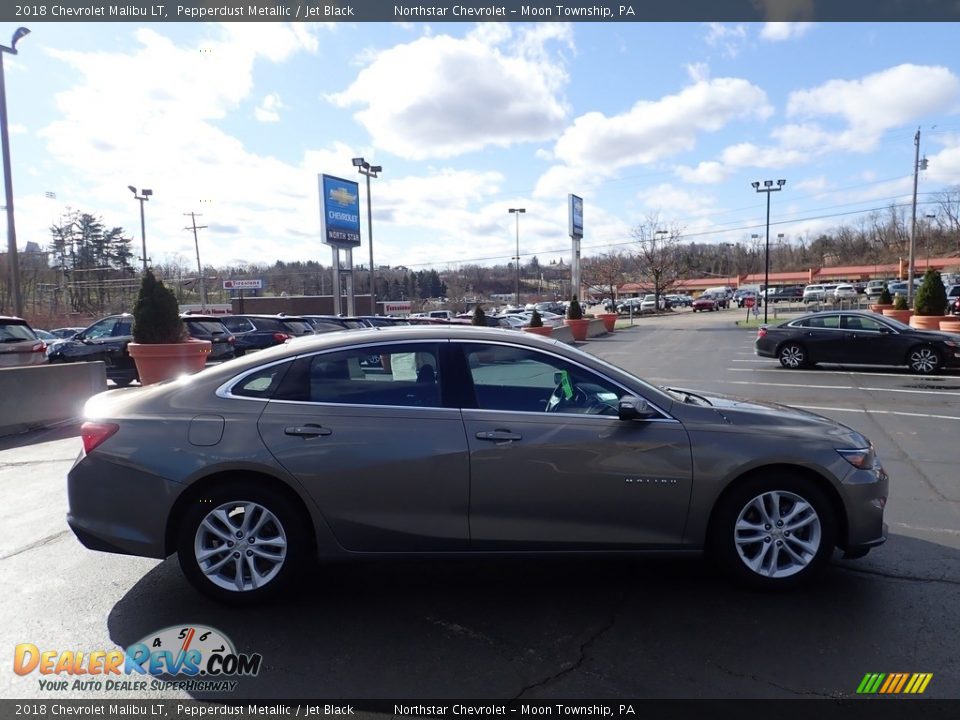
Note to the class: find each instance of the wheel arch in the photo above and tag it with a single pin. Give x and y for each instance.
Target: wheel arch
(201, 485)
(820, 481)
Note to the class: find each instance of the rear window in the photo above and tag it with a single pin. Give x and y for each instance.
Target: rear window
(205, 327)
(297, 327)
(237, 324)
(15, 331)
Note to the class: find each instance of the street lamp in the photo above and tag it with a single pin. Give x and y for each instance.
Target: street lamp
(7, 179)
(768, 187)
(365, 168)
(142, 197)
(516, 212)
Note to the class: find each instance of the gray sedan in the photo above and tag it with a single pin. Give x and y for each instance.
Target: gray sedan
(459, 440)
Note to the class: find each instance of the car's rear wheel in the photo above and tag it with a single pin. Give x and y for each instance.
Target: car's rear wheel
(773, 531)
(924, 360)
(792, 356)
(242, 543)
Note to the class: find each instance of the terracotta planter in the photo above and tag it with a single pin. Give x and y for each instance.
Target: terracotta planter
(950, 326)
(901, 315)
(927, 322)
(156, 363)
(879, 308)
(609, 320)
(545, 331)
(578, 328)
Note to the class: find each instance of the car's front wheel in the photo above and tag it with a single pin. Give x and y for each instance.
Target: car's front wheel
(924, 360)
(773, 531)
(242, 543)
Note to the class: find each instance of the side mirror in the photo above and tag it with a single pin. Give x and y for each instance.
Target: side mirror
(631, 407)
(886, 331)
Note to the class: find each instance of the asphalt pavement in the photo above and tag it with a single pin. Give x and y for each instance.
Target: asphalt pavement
(563, 628)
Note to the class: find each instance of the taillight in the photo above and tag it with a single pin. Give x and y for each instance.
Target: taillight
(231, 339)
(42, 347)
(761, 333)
(94, 433)
(280, 337)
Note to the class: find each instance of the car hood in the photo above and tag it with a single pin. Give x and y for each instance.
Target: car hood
(741, 413)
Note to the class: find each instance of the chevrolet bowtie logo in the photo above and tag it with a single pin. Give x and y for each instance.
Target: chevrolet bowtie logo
(343, 196)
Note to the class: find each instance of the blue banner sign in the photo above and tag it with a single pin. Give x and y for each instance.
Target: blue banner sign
(576, 216)
(339, 212)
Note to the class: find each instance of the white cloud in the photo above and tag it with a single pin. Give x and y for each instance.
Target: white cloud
(500, 85)
(17, 129)
(729, 38)
(880, 101)
(597, 145)
(708, 172)
(672, 201)
(698, 72)
(778, 31)
(944, 166)
(813, 186)
(269, 108)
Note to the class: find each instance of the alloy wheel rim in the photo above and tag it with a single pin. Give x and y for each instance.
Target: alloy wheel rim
(240, 546)
(923, 360)
(777, 534)
(792, 356)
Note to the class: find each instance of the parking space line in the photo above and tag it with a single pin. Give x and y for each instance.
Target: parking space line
(789, 385)
(875, 412)
(826, 371)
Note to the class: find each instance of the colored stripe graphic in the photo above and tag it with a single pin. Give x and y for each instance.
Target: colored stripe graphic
(894, 683)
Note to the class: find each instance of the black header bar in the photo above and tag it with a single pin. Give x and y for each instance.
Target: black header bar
(484, 11)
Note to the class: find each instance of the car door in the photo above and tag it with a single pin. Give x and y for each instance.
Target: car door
(552, 466)
(93, 343)
(869, 342)
(823, 338)
(374, 444)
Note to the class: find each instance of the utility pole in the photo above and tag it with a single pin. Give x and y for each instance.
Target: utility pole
(196, 245)
(918, 165)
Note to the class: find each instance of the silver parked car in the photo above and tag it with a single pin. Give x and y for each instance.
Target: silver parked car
(459, 440)
(19, 344)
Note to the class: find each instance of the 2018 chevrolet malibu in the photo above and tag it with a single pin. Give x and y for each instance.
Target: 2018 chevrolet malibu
(460, 440)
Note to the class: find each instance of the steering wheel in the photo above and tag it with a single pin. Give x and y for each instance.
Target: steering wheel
(581, 402)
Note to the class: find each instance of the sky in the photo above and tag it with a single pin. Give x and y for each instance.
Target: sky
(236, 121)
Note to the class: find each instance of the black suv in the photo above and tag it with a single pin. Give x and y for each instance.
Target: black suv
(257, 332)
(106, 340)
(209, 327)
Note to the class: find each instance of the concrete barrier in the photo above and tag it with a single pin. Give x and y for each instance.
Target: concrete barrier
(596, 329)
(39, 395)
(563, 334)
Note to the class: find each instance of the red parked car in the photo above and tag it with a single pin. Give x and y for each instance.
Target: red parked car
(704, 303)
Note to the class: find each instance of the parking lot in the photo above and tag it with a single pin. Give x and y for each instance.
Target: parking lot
(580, 627)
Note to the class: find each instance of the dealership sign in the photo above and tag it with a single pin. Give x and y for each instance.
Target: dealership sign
(576, 216)
(397, 306)
(339, 212)
(243, 284)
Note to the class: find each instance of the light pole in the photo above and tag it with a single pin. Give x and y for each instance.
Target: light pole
(8, 180)
(516, 212)
(143, 197)
(768, 187)
(365, 168)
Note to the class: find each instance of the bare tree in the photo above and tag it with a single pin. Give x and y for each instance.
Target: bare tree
(660, 261)
(606, 271)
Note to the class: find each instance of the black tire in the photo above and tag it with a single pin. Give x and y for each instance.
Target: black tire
(289, 524)
(793, 356)
(924, 360)
(792, 487)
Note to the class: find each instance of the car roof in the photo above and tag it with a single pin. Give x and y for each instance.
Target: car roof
(195, 316)
(264, 316)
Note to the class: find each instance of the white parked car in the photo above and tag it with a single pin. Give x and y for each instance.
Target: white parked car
(845, 292)
(649, 302)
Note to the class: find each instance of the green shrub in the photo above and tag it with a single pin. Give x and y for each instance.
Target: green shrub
(574, 312)
(900, 303)
(156, 315)
(479, 317)
(885, 298)
(535, 319)
(931, 297)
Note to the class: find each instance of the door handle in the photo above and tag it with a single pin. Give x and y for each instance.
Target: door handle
(499, 436)
(307, 430)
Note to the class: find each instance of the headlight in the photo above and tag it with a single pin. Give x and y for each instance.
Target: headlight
(860, 458)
